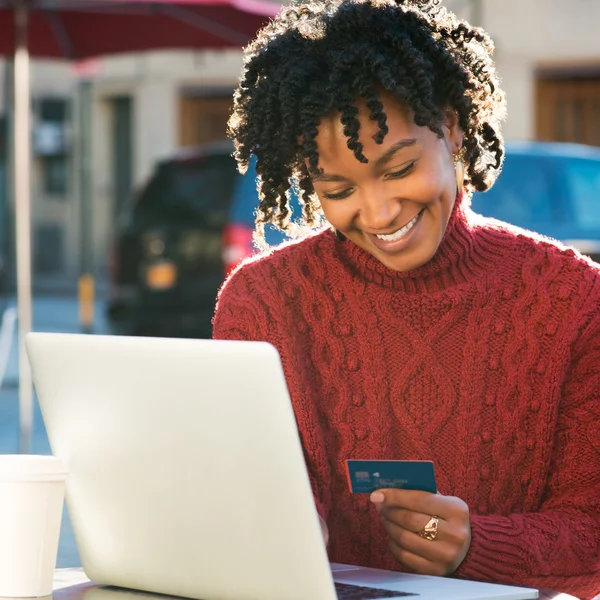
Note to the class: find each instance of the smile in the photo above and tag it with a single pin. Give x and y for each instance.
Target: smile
(398, 235)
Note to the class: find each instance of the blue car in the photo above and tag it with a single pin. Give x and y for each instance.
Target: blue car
(549, 188)
(237, 238)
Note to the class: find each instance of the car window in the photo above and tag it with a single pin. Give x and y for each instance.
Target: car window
(245, 198)
(245, 203)
(523, 195)
(203, 186)
(583, 182)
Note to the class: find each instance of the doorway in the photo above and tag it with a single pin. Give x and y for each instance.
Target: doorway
(568, 109)
(122, 151)
(203, 119)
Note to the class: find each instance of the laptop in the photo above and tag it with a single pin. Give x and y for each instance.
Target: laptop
(187, 475)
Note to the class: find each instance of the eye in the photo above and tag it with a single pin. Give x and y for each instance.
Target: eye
(339, 195)
(403, 172)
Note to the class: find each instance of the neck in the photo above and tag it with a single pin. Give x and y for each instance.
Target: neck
(466, 253)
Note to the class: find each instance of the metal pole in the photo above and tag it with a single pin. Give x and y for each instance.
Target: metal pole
(8, 230)
(21, 179)
(86, 278)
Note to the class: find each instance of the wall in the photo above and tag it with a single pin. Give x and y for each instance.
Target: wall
(538, 33)
(154, 81)
(529, 34)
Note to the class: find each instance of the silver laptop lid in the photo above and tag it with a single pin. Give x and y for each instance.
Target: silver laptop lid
(186, 470)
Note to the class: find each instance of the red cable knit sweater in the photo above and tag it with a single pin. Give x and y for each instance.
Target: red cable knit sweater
(486, 361)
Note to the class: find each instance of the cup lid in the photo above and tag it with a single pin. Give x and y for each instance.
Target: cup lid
(31, 467)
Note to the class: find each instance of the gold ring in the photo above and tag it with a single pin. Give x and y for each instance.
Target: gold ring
(430, 531)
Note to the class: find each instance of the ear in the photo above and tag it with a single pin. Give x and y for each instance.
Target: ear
(452, 131)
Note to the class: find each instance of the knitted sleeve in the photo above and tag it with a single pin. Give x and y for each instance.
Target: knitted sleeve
(239, 314)
(243, 314)
(523, 547)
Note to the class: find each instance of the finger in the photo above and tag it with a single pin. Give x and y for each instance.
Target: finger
(444, 555)
(407, 519)
(455, 533)
(415, 563)
(438, 551)
(444, 507)
(414, 500)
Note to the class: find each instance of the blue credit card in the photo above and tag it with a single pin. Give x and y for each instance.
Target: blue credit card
(366, 476)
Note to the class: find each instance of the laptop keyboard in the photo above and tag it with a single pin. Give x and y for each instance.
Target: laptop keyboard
(345, 591)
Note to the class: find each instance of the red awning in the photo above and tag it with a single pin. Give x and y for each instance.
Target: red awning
(84, 28)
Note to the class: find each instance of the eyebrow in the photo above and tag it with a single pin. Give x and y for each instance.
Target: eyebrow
(385, 158)
(391, 152)
(329, 177)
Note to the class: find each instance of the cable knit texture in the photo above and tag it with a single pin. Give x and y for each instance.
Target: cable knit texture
(486, 361)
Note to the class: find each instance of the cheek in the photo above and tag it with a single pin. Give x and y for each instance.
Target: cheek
(436, 179)
(436, 173)
(339, 214)
(427, 187)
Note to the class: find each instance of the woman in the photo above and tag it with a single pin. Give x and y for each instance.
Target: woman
(409, 327)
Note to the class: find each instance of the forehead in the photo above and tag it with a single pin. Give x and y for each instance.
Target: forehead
(332, 142)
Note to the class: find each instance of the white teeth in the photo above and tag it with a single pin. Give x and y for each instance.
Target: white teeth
(393, 237)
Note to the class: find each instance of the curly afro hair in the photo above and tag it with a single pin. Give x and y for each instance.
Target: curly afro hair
(321, 56)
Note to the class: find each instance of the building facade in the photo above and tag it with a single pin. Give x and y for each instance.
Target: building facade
(144, 106)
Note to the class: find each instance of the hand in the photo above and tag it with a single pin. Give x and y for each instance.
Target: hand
(405, 513)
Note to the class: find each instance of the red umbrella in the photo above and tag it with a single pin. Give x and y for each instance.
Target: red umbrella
(77, 29)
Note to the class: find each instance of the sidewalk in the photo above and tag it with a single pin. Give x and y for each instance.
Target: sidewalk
(64, 286)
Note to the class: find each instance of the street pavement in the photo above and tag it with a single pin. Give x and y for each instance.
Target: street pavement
(51, 314)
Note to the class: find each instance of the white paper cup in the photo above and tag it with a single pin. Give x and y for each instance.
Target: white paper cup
(32, 491)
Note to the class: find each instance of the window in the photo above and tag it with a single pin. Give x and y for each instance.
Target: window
(56, 175)
(568, 108)
(48, 248)
(54, 109)
(51, 145)
(199, 186)
(203, 119)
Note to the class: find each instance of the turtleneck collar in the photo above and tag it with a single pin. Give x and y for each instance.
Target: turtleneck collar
(465, 254)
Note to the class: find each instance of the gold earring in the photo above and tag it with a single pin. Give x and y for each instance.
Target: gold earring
(460, 175)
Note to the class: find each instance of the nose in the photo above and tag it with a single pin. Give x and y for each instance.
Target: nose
(378, 212)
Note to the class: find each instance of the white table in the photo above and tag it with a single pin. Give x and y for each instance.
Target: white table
(72, 584)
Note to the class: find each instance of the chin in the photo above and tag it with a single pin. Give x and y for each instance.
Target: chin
(402, 265)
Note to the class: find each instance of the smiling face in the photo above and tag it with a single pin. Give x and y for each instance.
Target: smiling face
(396, 206)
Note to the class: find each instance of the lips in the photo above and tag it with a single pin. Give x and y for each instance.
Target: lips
(399, 240)
(394, 237)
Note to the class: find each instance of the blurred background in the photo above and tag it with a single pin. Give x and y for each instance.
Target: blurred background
(138, 212)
